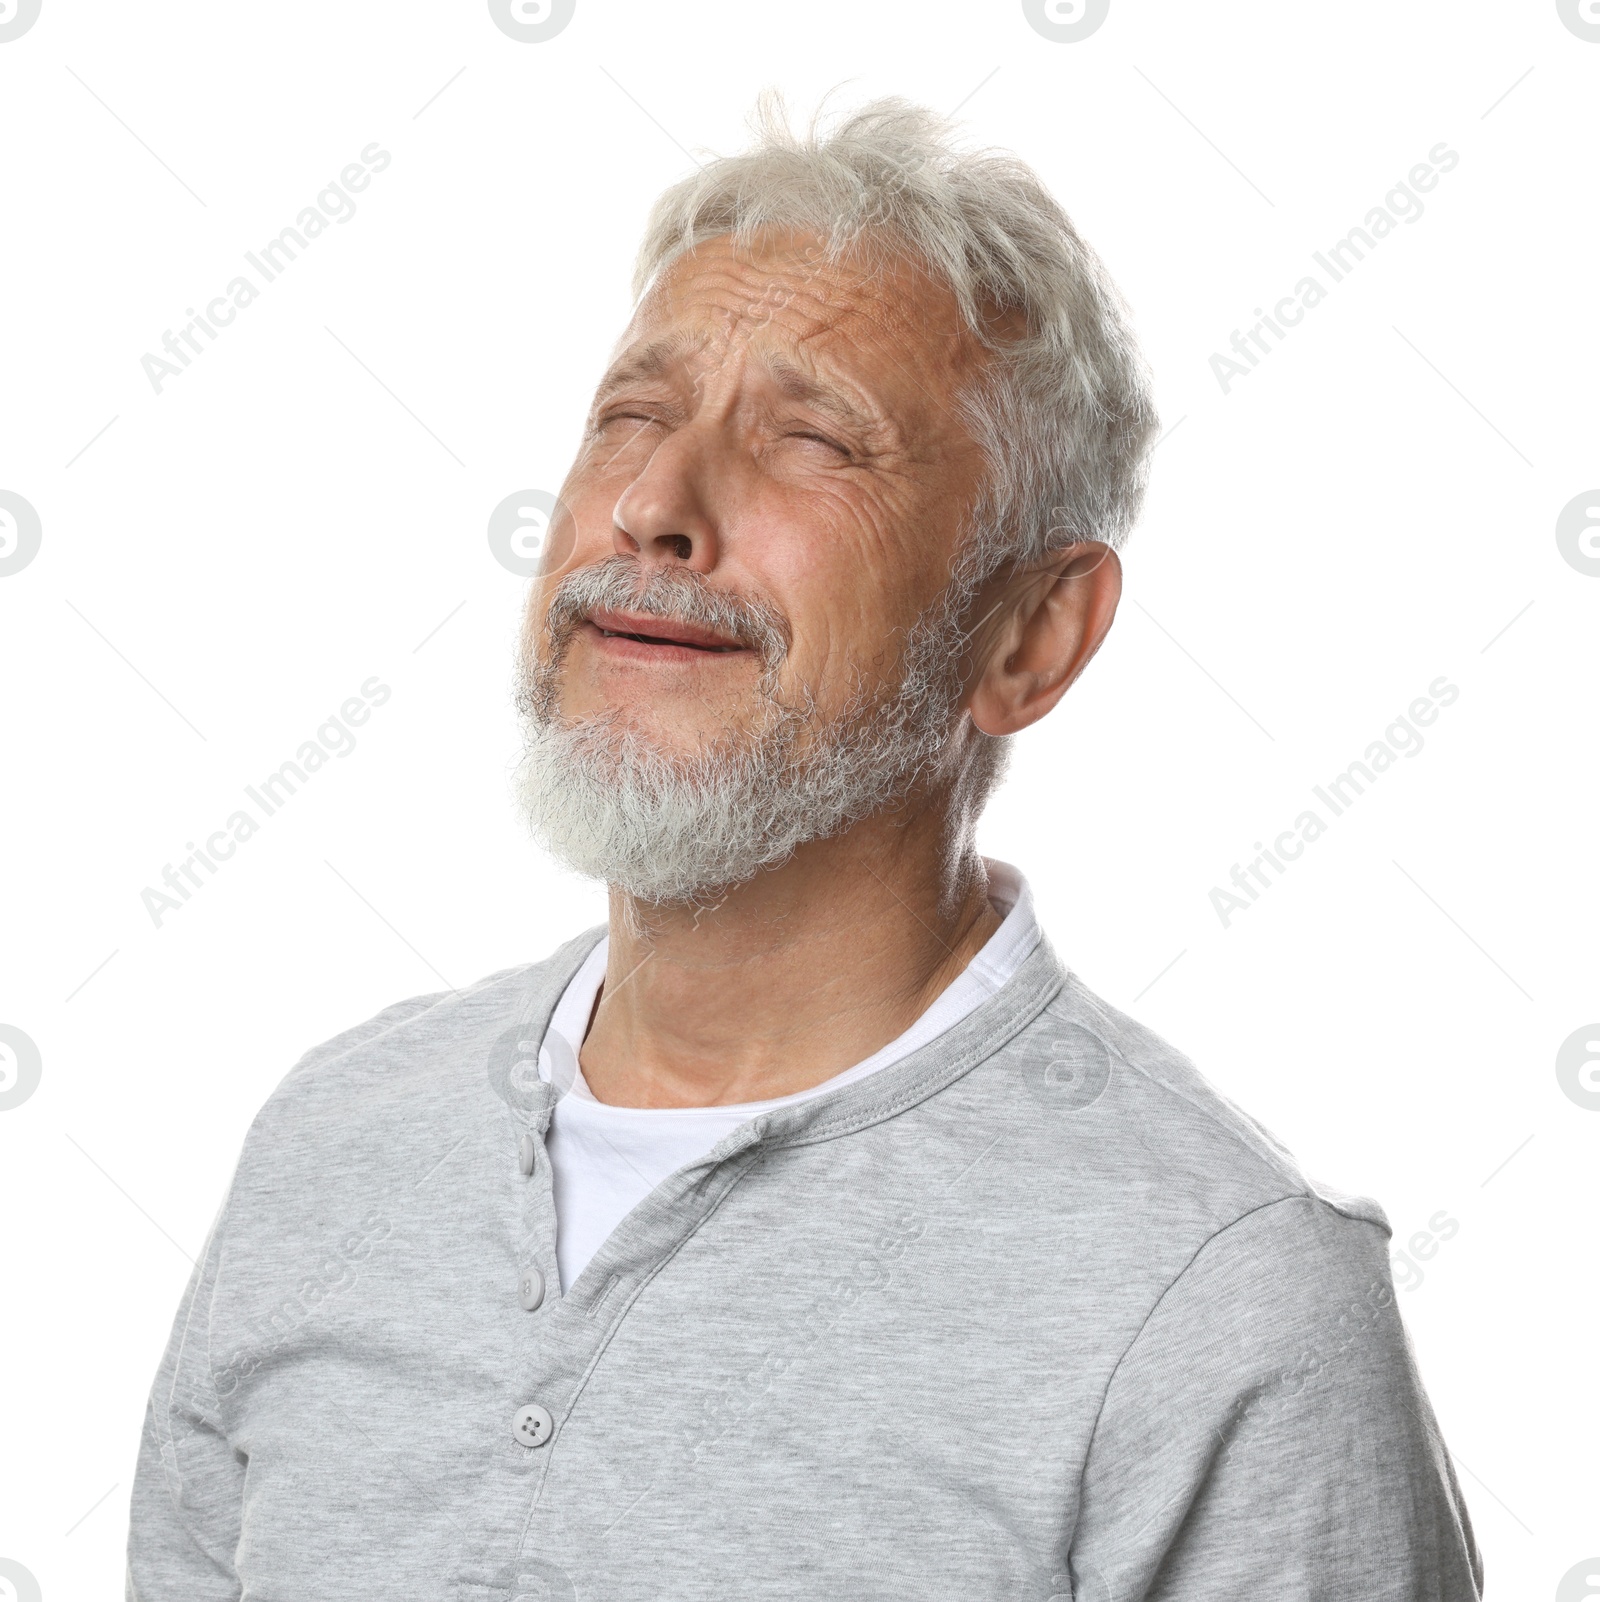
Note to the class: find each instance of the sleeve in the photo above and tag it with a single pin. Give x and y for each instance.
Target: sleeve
(1266, 1435)
(188, 1487)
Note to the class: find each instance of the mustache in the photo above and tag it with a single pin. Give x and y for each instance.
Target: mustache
(678, 594)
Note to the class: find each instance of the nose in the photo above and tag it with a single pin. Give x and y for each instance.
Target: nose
(664, 517)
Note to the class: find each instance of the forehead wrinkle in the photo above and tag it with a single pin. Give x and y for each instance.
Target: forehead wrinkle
(889, 293)
(897, 312)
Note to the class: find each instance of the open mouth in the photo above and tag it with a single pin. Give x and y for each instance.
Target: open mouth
(660, 632)
(657, 639)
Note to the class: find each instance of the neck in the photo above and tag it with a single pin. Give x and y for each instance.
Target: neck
(791, 978)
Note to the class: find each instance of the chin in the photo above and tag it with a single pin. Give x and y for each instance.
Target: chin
(669, 728)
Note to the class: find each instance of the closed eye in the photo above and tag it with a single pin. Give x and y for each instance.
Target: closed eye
(821, 439)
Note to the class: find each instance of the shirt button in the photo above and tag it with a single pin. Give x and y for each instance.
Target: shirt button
(525, 1154)
(532, 1426)
(531, 1288)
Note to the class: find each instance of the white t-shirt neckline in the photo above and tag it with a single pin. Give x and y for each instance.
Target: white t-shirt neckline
(606, 1159)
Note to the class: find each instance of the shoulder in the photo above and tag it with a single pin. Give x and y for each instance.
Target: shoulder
(430, 1051)
(1130, 1124)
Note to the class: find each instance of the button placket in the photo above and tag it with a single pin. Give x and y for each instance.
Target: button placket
(543, 1370)
(531, 1099)
(571, 1331)
(537, 1259)
(530, 1289)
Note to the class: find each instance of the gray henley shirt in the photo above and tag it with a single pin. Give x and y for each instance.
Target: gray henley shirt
(1033, 1313)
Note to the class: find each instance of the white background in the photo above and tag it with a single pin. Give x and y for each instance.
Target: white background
(1372, 507)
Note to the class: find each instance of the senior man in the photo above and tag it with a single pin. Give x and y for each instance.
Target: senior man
(810, 1231)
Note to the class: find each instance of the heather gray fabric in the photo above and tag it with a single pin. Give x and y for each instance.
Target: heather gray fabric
(1032, 1314)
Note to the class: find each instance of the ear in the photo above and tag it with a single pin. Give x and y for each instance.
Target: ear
(1041, 628)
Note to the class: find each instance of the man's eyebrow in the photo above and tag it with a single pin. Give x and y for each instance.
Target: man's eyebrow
(809, 390)
(651, 360)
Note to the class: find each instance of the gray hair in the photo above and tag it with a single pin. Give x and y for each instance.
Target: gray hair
(1067, 420)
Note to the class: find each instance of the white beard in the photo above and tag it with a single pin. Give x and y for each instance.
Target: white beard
(671, 828)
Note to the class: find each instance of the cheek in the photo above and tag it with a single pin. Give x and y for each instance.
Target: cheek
(599, 478)
(822, 559)
(591, 498)
(533, 619)
(830, 536)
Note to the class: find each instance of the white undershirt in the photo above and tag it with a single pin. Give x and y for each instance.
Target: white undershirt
(605, 1160)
